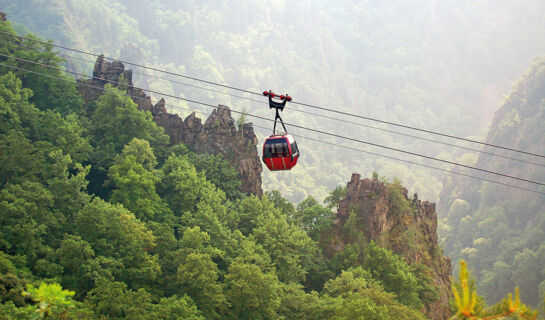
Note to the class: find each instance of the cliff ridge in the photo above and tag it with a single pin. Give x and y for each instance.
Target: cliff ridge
(218, 134)
(383, 213)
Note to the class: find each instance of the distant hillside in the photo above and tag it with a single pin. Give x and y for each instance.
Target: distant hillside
(500, 231)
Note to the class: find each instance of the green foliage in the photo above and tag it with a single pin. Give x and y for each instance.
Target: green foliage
(134, 178)
(428, 292)
(51, 298)
(115, 233)
(399, 205)
(394, 274)
(357, 296)
(210, 215)
(335, 196)
(296, 304)
(75, 256)
(181, 186)
(220, 172)
(12, 279)
(352, 280)
(249, 210)
(313, 218)
(114, 300)
(176, 308)
(117, 121)
(291, 249)
(281, 203)
(25, 218)
(30, 135)
(9, 311)
(251, 293)
(241, 121)
(353, 255)
(198, 276)
(49, 93)
(354, 306)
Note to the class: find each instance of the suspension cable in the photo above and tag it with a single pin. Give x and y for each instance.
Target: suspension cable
(300, 136)
(294, 102)
(377, 154)
(267, 119)
(492, 154)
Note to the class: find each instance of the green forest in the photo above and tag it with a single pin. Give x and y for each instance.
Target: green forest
(102, 218)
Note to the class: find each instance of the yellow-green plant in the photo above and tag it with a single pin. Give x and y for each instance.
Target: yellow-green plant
(466, 301)
(468, 307)
(50, 297)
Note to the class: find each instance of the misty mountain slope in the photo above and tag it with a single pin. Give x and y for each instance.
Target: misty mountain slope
(500, 231)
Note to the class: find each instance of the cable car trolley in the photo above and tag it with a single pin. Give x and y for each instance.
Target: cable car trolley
(280, 151)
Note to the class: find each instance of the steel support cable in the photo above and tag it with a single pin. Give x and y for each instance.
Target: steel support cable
(131, 63)
(421, 130)
(295, 102)
(491, 154)
(416, 163)
(298, 136)
(293, 125)
(312, 139)
(306, 112)
(143, 74)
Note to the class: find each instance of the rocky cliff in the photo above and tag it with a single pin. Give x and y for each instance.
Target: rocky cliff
(383, 213)
(497, 229)
(217, 135)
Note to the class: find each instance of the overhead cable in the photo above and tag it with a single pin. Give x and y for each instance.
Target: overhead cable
(295, 102)
(492, 154)
(293, 125)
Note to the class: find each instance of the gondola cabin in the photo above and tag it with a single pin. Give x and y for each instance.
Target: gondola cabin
(280, 152)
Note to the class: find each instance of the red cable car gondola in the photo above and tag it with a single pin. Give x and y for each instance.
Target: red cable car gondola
(280, 151)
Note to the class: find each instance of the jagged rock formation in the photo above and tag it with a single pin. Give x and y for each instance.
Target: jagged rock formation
(406, 226)
(217, 135)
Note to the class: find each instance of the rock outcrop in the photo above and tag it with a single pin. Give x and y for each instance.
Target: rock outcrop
(218, 134)
(384, 214)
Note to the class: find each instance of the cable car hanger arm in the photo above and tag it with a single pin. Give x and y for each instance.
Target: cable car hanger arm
(278, 106)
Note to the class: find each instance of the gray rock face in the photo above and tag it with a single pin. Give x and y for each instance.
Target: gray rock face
(217, 135)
